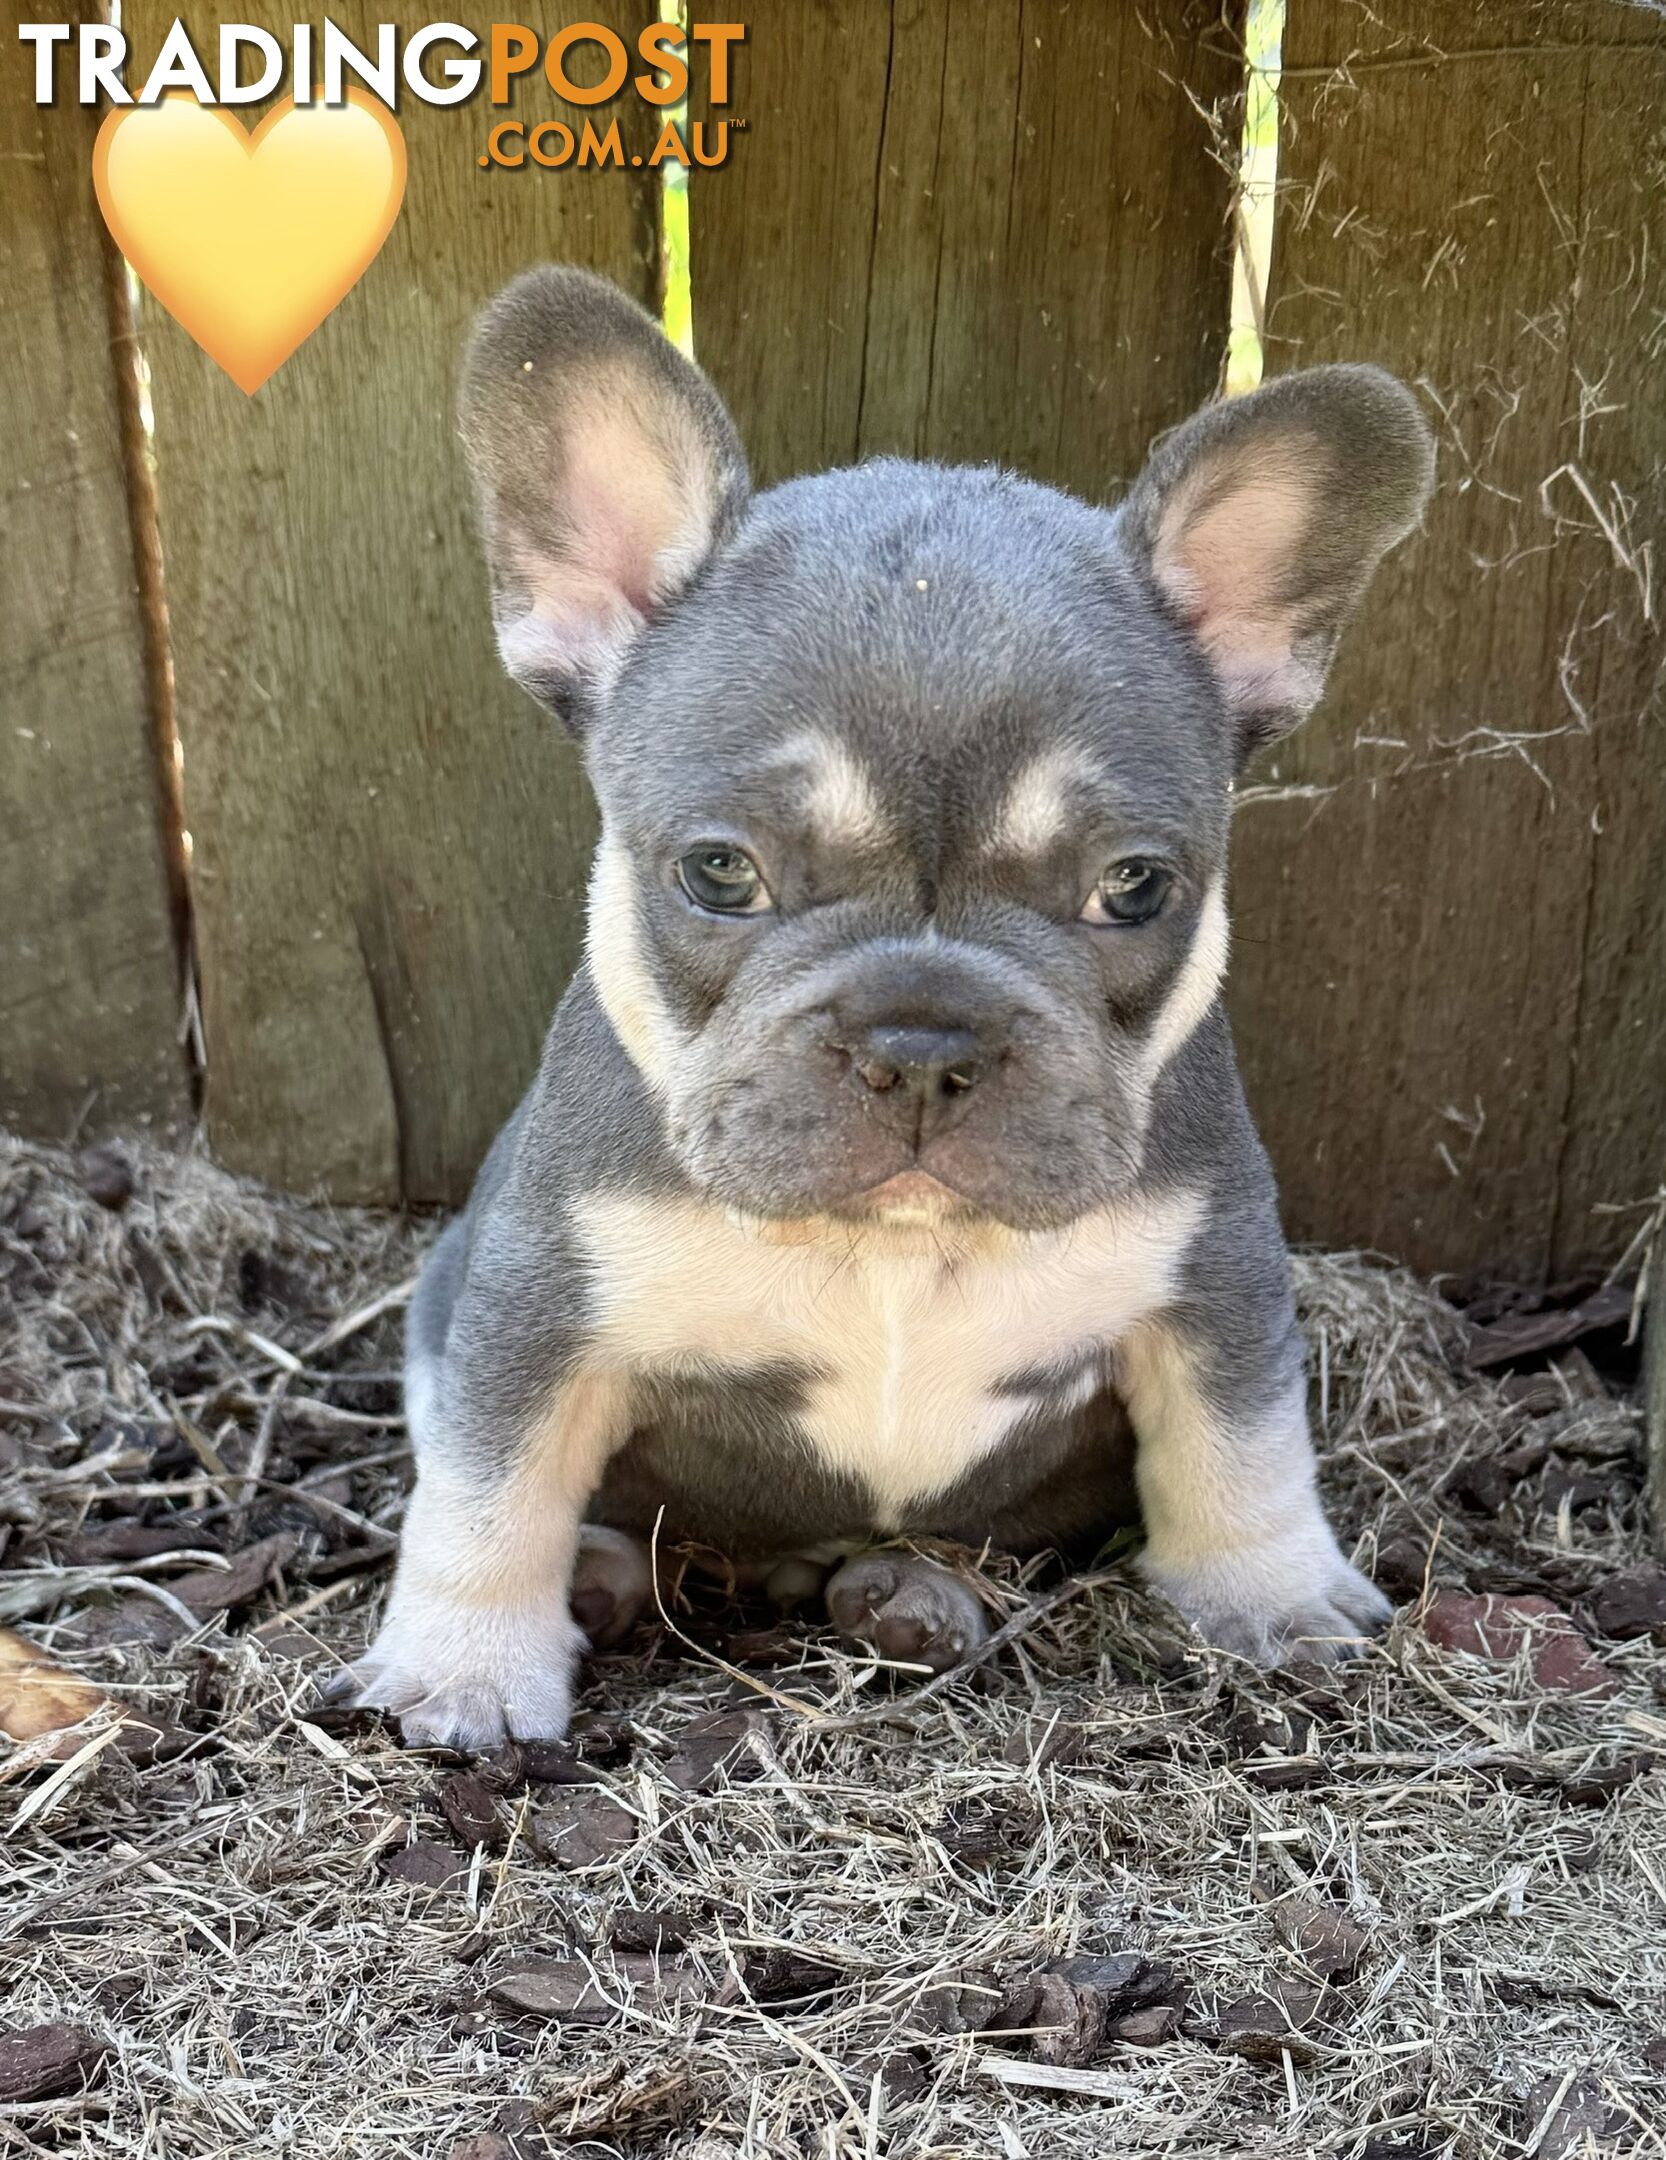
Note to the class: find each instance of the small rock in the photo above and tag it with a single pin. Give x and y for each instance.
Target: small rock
(427, 1865)
(581, 1825)
(44, 2062)
(1654, 2052)
(1324, 1938)
(1497, 1627)
(486, 2145)
(470, 1807)
(1631, 1605)
(717, 1749)
(1146, 2028)
(1566, 1664)
(106, 1174)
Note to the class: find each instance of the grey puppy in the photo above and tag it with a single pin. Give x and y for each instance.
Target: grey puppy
(887, 1172)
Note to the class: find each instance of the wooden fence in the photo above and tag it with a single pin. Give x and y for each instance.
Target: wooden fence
(967, 229)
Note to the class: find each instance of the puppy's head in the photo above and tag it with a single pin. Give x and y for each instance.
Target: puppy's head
(914, 781)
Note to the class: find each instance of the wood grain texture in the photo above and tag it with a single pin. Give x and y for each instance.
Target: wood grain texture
(1448, 987)
(90, 979)
(970, 232)
(390, 842)
(1654, 1399)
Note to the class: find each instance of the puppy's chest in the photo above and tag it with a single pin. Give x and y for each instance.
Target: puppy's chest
(913, 1362)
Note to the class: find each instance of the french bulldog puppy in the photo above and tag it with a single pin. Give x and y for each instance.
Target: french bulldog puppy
(887, 1172)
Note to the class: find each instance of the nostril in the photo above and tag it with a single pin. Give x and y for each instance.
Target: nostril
(931, 1064)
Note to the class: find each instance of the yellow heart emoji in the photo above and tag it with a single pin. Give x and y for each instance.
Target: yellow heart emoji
(248, 240)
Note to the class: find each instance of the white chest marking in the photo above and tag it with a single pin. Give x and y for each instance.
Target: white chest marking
(908, 1335)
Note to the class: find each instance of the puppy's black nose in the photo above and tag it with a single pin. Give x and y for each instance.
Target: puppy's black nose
(933, 1065)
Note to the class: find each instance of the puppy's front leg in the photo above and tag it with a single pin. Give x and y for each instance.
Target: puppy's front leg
(1235, 1535)
(478, 1642)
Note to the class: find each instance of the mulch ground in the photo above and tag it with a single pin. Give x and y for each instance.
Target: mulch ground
(1114, 1895)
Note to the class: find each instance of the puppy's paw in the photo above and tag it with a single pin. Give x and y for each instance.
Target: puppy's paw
(1278, 1608)
(613, 1584)
(909, 1610)
(468, 1679)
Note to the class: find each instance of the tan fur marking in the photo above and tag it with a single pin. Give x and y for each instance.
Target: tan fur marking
(1038, 806)
(841, 804)
(1235, 1535)
(629, 995)
(477, 1546)
(1196, 985)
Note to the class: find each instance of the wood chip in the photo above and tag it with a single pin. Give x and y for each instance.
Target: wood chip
(427, 1865)
(470, 1807)
(1146, 2028)
(716, 1749)
(1263, 2028)
(44, 2062)
(1322, 1936)
(581, 1825)
(208, 1591)
(564, 1990)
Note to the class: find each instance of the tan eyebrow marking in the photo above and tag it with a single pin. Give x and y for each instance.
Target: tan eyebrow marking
(840, 801)
(1038, 808)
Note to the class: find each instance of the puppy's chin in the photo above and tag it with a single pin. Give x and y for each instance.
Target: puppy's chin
(912, 1196)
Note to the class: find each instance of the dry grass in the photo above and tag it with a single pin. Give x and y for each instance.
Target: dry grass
(223, 1921)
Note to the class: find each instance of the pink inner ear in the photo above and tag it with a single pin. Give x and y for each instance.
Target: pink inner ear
(1225, 557)
(632, 522)
(630, 516)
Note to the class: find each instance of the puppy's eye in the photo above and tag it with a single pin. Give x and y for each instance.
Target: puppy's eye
(723, 880)
(1131, 891)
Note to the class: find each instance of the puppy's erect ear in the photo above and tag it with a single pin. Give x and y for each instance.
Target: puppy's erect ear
(1261, 519)
(606, 470)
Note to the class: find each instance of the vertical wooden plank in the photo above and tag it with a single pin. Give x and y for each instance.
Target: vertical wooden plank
(990, 231)
(90, 978)
(391, 843)
(1448, 988)
(1654, 1392)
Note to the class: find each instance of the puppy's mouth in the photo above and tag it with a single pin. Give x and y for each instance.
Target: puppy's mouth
(911, 1196)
